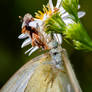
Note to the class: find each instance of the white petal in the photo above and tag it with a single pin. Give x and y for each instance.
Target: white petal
(59, 38)
(29, 50)
(33, 50)
(68, 21)
(22, 36)
(45, 17)
(65, 15)
(33, 24)
(58, 3)
(55, 35)
(81, 14)
(51, 5)
(26, 42)
(61, 10)
(78, 6)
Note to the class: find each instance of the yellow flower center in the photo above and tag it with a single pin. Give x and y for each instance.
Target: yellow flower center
(46, 10)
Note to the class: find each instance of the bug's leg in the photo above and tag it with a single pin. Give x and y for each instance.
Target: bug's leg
(46, 77)
(50, 79)
(52, 74)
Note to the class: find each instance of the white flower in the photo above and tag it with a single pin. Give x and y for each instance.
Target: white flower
(65, 15)
(39, 21)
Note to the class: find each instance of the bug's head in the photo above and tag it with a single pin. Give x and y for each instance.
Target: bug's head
(26, 19)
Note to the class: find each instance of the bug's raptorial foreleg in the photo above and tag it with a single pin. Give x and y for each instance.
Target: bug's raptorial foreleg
(50, 77)
(51, 73)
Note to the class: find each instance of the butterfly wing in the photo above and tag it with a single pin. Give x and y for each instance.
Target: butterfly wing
(18, 82)
(38, 75)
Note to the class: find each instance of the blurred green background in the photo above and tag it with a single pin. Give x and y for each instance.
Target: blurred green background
(12, 56)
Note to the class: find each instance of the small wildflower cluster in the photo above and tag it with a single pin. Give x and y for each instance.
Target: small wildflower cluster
(53, 23)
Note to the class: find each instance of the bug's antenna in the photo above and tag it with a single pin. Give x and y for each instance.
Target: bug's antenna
(21, 18)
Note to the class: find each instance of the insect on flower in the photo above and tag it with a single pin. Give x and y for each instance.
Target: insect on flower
(36, 38)
(33, 29)
(49, 73)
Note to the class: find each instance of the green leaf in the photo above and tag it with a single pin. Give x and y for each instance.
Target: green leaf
(71, 6)
(54, 24)
(79, 37)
